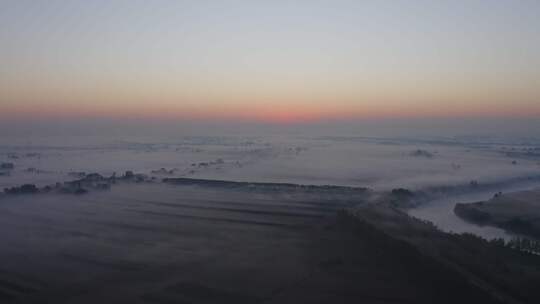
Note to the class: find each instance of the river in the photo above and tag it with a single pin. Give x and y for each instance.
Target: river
(440, 211)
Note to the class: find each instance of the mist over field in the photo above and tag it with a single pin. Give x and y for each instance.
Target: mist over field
(381, 155)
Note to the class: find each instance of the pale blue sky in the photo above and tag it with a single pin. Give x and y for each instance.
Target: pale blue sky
(368, 58)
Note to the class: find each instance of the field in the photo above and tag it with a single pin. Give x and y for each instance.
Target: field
(161, 243)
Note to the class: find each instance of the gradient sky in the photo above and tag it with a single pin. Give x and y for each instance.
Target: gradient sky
(269, 60)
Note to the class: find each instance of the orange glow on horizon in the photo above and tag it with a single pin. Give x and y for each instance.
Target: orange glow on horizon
(268, 112)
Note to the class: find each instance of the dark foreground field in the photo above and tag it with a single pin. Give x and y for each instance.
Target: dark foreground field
(210, 243)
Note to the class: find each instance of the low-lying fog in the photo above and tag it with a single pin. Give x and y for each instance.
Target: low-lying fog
(394, 159)
(379, 163)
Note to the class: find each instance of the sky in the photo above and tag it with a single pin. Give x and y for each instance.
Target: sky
(269, 61)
